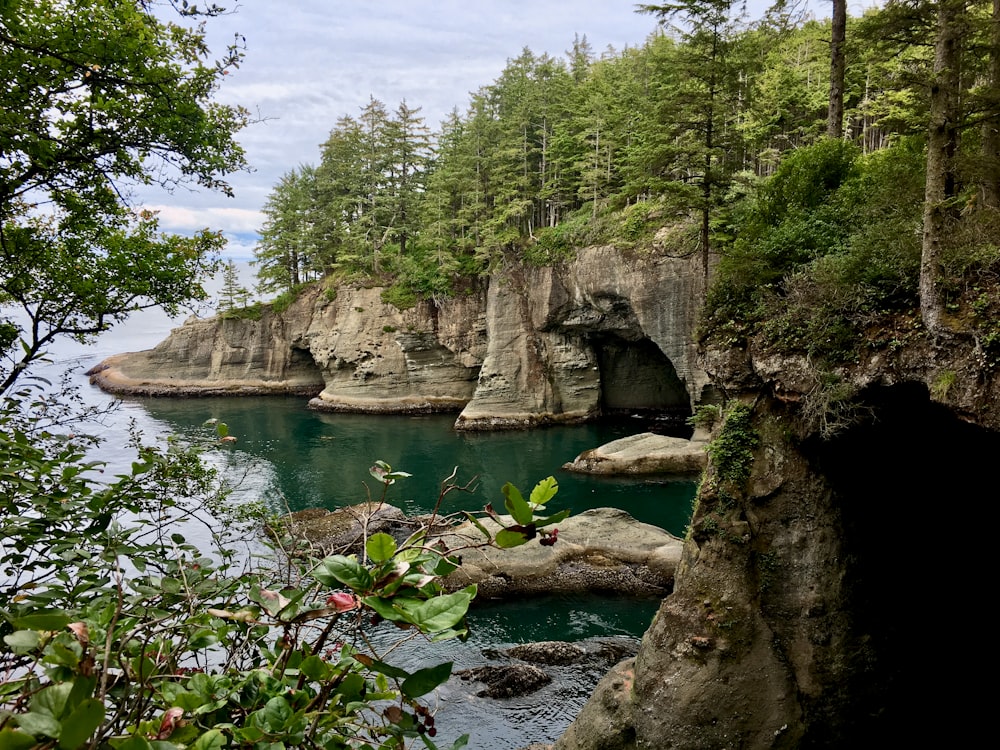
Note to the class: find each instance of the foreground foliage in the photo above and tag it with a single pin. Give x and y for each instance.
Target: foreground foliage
(129, 621)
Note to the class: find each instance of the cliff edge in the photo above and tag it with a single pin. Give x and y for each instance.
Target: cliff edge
(604, 333)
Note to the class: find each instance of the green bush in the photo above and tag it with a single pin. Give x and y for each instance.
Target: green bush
(826, 253)
(121, 634)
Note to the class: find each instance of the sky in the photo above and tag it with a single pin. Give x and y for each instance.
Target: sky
(310, 62)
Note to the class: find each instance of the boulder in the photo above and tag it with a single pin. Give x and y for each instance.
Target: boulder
(507, 681)
(599, 550)
(647, 453)
(342, 531)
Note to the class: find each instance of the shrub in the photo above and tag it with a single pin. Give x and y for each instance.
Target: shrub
(118, 632)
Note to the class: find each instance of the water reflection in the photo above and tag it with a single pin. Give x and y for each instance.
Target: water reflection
(320, 459)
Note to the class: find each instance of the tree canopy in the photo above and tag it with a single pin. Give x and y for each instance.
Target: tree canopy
(99, 98)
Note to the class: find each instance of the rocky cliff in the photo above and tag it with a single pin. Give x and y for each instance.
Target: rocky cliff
(800, 615)
(606, 332)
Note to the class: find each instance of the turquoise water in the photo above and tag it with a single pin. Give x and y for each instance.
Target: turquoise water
(312, 459)
(296, 458)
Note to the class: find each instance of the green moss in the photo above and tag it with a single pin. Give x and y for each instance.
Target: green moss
(732, 452)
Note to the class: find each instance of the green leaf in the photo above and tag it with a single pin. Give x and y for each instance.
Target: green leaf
(52, 700)
(53, 619)
(12, 739)
(380, 547)
(80, 724)
(554, 518)
(276, 713)
(213, 739)
(443, 612)
(339, 569)
(516, 504)
(23, 640)
(39, 724)
(387, 669)
(478, 524)
(506, 539)
(315, 668)
(544, 491)
(423, 681)
(135, 742)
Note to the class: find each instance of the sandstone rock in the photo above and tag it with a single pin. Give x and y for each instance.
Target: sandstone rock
(599, 550)
(647, 453)
(344, 530)
(605, 721)
(596, 335)
(600, 334)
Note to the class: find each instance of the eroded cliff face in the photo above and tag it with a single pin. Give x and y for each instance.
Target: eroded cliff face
(603, 333)
(801, 614)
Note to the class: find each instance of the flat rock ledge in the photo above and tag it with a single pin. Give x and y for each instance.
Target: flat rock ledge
(646, 453)
(110, 376)
(604, 550)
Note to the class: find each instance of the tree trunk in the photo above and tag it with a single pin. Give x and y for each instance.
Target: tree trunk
(991, 127)
(838, 34)
(941, 141)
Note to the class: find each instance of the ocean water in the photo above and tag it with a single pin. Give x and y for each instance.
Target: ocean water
(295, 458)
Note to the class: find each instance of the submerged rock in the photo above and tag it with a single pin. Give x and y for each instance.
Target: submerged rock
(508, 681)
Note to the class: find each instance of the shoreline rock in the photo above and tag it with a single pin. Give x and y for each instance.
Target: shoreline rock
(603, 333)
(646, 453)
(603, 550)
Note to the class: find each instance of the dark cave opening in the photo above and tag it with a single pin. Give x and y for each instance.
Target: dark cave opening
(915, 489)
(637, 378)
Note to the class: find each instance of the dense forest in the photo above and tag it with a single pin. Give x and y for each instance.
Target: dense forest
(725, 129)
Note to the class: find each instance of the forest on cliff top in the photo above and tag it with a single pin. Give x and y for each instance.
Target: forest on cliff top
(721, 132)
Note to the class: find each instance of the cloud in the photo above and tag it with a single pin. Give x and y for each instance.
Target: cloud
(186, 219)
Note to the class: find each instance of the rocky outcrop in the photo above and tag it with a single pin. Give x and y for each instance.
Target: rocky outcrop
(602, 333)
(796, 619)
(262, 354)
(599, 550)
(646, 453)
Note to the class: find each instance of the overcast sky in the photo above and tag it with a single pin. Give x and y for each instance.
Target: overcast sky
(309, 62)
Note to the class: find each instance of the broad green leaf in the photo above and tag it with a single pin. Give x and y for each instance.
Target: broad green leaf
(276, 713)
(476, 522)
(516, 504)
(52, 700)
(12, 739)
(443, 612)
(80, 724)
(39, 724)
(23, 640)
(544, 491)
(339, 569)
(213, 739)
(423, 681)
(505, 539)
(315, 668)
(380, 547)
(554, 518)
(135, 742)
(387, 669)
(53, 619)
(397, 609)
